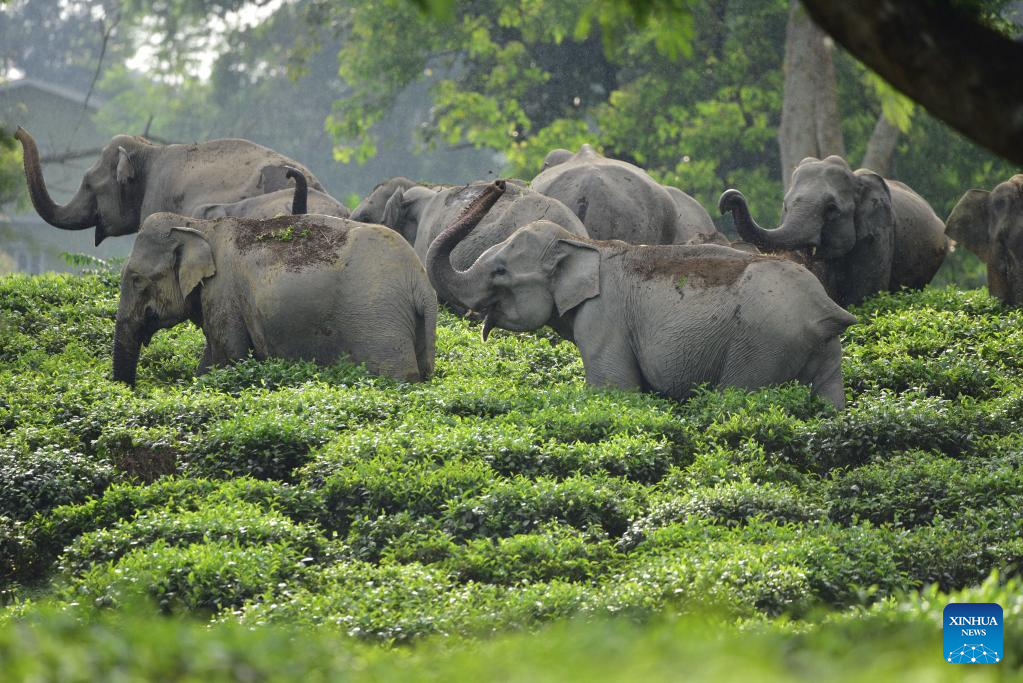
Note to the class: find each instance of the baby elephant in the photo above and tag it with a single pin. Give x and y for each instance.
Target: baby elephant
(312, 287)
(990, 224)
(658, 318)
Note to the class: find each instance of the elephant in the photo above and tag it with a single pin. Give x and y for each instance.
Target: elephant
(306, 287)
(279, 203)
(420, 214)
(371, 208)
(659, 318)
(990, 224)
(135, 178)
(617, 200)
(859, 233)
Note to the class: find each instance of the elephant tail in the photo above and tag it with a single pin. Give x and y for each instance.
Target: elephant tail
(299, 204)
(426, 326)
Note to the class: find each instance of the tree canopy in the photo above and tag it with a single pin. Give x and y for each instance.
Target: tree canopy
(693, 90)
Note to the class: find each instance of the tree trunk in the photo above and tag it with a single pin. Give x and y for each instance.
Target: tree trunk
(881, 147)
(961, 71)
(810, 125)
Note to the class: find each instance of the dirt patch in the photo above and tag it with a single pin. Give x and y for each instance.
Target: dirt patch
(702, 268)
(294, 241)
(145, 464)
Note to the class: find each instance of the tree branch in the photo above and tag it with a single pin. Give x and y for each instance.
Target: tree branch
(963, 73)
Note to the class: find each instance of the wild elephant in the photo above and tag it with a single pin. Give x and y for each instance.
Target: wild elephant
(135, 178)
(310, 287)
(618, 200)
(860, 234)
(990, 224)
(371, 208)
(280, 203)
(421, 213)
(658, 318)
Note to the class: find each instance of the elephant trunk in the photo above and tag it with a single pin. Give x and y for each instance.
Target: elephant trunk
(299, 204)
(794, 233)
(468, 286)
(126, 354)
(77, 214)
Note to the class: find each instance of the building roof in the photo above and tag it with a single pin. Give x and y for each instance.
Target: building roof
(57, 90)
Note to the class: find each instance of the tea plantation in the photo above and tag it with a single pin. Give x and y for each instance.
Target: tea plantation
(283, 521)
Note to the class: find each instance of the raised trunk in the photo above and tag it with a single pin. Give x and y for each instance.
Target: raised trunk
(299, 203)
(126, 355)
(456, 285)
(78, 214)
(794, 233)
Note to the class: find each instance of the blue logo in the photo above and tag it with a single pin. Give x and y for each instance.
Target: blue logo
(972, 633)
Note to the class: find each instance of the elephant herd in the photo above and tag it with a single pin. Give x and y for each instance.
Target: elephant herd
(246, 243)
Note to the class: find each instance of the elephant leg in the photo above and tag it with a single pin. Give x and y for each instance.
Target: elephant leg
(608, 358)
(225, 346)
(207, 359)
(823, 372)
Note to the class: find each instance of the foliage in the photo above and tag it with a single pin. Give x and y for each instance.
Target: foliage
(893, 641)
(10, 168)
(503, 492)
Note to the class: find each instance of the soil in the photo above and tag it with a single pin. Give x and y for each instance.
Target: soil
(708, 269)
(295, 241)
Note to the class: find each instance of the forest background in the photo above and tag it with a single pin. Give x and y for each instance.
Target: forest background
(706, 95)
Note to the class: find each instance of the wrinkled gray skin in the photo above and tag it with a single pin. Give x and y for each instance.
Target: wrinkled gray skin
(135, 178)
(420, 213)
(617, 200)
(340, 288)
(279, 203)
(990, 224)
(860, 234)
(371, 208)
(656, 318)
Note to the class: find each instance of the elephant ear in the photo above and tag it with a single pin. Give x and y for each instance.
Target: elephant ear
(969, 223)
(125, 167)
(193, 259)
(874, 216)
(575, 273)
(394, 210)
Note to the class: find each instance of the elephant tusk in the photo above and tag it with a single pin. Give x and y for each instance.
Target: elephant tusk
(488, 324)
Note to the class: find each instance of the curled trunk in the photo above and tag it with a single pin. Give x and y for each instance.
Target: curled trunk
(465, 286)
(77, 214)
(299, 203)
(126, 355)
(792, 234)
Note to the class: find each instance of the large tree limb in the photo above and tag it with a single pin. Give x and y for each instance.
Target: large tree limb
(963, 73)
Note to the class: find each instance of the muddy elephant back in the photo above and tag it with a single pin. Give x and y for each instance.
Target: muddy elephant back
(920, 242)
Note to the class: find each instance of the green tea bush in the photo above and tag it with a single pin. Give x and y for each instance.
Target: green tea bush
(200, 577)
(40, 480)
(503, 492)
(240, 523)
(518, 505)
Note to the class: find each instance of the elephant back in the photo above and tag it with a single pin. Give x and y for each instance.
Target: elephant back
(517, 207)
(920, 242)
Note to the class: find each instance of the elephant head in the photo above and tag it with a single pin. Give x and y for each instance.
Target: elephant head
(371, 208)
(827, 210)
(158, 286)
(110, 195)
(990, 224)
(404, 209)
(540, 272)
(556, 157)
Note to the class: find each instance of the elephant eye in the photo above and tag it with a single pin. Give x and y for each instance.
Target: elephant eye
(500, 270)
